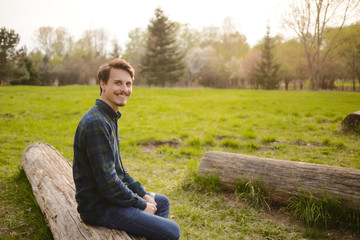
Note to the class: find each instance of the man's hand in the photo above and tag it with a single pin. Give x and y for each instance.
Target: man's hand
(149, 199)
(150, 208)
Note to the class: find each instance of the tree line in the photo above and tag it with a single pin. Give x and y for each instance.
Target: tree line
(168, 53)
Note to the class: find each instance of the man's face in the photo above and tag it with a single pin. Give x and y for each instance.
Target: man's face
(118, 88)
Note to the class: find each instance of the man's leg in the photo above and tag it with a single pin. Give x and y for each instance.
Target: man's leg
(163, 205)
(137, 222)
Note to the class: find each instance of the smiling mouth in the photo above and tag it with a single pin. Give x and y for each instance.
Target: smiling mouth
(121, 95)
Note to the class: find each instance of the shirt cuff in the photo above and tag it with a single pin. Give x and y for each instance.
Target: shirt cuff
(141, 203)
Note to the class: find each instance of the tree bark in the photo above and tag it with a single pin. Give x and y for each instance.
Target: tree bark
(51, 179)
(283, 179)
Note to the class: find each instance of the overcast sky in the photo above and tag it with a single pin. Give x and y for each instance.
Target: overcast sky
(118, 17)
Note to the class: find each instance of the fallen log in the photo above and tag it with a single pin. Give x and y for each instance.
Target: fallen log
(51, 179)
(351, 122)
(283, 179)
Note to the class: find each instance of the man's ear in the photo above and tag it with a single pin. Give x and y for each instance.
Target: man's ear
(102, 84)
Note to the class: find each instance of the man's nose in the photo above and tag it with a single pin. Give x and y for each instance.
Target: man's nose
(123, 87)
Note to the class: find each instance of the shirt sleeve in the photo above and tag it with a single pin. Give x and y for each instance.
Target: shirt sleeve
(102, 160)
(135, 186)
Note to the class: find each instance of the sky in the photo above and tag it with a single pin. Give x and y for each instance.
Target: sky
(119, 17)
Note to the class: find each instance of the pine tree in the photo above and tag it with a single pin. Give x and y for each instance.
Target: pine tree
(8, 42)
(162, 62)
(266, 72)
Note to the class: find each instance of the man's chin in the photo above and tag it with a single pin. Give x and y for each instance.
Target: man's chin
(122, 104)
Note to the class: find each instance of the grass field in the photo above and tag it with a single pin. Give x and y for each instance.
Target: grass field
(164, 134)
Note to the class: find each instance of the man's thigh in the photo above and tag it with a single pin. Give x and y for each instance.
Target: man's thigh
(138, 222)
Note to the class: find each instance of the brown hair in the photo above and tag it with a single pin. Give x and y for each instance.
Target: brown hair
(117, 63)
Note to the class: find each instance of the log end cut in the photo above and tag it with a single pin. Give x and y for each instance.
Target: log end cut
(351, 122)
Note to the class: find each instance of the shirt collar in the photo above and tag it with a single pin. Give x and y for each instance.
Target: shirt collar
(107, 109)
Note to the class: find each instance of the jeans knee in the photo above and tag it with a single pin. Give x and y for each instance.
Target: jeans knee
(174, 231)
(162, 199)
(175, 234)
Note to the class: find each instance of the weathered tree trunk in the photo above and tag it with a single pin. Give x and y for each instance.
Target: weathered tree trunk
(352, 122)
(283, 179)
(51, 179)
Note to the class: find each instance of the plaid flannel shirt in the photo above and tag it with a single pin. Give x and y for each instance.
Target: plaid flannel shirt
(99, 176)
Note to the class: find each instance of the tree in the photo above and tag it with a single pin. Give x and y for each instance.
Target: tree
(187, 37)
(266, 72)
(54, 45)
(162, 62)
(15, 66)
(87, 54)
(135, 50)
(94, 42)
(44, 39)
(202, 67)
(232, 48)
(224, 49)
(60, 42)
(310, 20)
(8, 42)
(232, 43)
(235, 72)
(250, 65)
(290, 55)
(26, 72)
(209, 35)
(116, 49)
(347, 48)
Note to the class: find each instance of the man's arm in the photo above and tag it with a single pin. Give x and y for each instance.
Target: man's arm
(133, 185)
(136, 187)
(101, 157)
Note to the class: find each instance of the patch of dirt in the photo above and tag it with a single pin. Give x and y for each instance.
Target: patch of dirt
(149, 148)
(219, 137)
(309, 144)
(300, 143)
(153, 144)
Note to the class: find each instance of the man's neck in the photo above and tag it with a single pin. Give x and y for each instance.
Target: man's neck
(114, 107)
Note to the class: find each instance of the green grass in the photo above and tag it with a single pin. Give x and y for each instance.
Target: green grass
(253, 192)
(339, 84)
(164, 134)
(325, 211)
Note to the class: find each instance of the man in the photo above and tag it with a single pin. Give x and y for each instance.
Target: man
(105, 192)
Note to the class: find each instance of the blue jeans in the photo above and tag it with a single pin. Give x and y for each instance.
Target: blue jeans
(140, 223)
